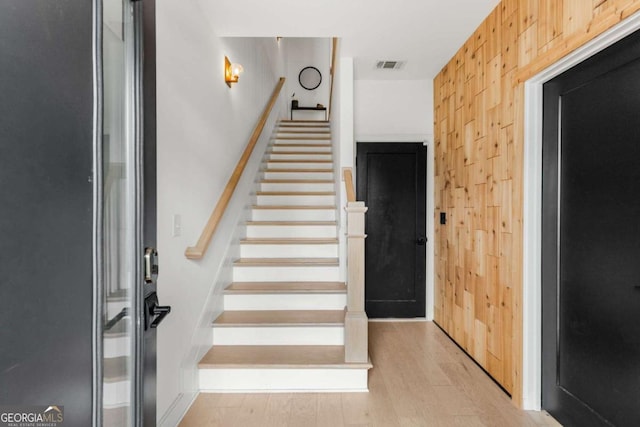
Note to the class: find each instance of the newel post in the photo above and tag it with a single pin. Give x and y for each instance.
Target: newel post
(356, 323)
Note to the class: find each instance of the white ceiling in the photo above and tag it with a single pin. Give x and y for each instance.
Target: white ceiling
(425, 33)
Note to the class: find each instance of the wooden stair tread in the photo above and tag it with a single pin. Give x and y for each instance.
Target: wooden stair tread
(278, 357)
(291, 145)
(316, 124)
(288, 122)
(295, 193)
(118, 296)
(298, 161)
(281, 318)
(286, 262)
(292, 223)
(285, 287)
(306, 138)
(304, 131)
(297, 181)
(289, 241)
(297, 170)
(115, 369)
(311, 207)
(301, 153)
(303, 121)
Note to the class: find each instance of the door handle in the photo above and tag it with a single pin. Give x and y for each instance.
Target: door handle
(421, 241)
(161, 312)
(154, 313)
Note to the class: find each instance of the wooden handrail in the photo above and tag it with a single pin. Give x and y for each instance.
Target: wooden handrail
(198, 251)
(332, 72)
(347, 175)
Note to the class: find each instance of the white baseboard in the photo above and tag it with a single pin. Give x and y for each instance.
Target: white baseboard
(177, 410)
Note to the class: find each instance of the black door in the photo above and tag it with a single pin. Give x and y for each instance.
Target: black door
(591, 241)
(77, 210)
(391, 180)
(46, 208)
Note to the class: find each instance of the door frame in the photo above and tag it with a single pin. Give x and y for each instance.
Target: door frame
(426, 141)
(532, 209)
(135, 129)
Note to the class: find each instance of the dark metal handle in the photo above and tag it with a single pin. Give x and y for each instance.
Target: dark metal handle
(118, 317)
(161, 312)
(421, 241)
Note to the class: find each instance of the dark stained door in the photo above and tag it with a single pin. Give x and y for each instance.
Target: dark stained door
(391, 180)
(591, 241)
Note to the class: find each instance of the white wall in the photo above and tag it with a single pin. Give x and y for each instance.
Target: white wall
(301, 53)
(203, 127)
(402, 108)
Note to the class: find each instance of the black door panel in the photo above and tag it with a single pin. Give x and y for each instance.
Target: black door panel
(591, 241)
(391, 181)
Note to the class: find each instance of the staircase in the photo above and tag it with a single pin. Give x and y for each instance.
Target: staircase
(283, 325)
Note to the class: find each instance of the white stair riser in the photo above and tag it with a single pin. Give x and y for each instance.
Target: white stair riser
(286, 274)
(296, 200)
(304, 125)
(296, 165)
(288, 231)
(299, 175)
(248, 250)
(319, 129)
(116, 393)
(312, 133)
(293, 214)
(297, 186)
(278, 335)
(289, 380)
(285, 301)
(286, 148)
(116, 346)
(281, 156)
(301, 140)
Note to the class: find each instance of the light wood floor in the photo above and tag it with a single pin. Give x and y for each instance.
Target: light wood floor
(419, 378)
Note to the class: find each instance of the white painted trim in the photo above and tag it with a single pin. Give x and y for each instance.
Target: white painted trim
(430, 208)
(178, 409)
(532, 213)
(431, 233)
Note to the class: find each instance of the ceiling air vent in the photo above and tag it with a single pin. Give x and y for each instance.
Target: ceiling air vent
(390, 65)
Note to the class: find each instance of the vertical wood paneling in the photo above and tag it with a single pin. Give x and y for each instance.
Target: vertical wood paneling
(479, 118)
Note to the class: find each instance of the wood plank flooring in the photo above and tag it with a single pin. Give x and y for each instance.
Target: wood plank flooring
(419, 378)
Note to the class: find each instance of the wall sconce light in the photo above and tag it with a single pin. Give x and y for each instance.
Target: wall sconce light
(231, 71)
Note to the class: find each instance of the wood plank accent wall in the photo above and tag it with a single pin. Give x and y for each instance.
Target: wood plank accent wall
(479, 134)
